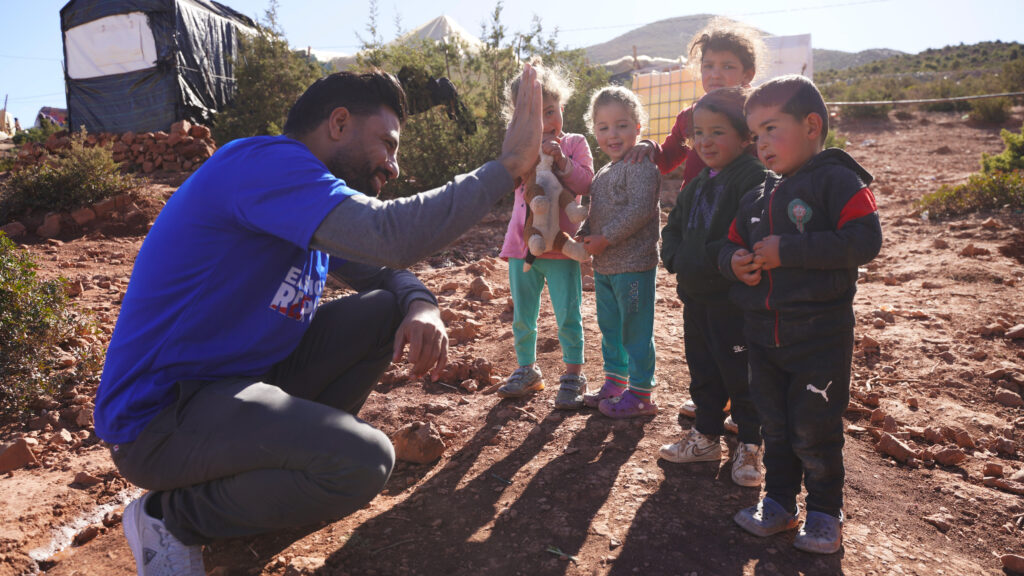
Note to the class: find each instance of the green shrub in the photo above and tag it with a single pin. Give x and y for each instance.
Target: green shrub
(991, 110)
(434, 149)
(36, 134)
(1013, 75)
(982, 191)
(269, 78)
(835, 140)
(77, 177)
(35, 317)
(1012, 156)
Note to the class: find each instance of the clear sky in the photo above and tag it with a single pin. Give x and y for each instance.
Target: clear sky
(31, 52)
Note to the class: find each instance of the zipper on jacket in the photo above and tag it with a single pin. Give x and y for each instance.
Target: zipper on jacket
(771, 285)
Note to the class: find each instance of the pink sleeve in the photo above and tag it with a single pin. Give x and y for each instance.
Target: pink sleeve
(672, 153)
(581, 164)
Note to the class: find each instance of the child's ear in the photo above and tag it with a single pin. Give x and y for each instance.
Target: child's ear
(813, 124)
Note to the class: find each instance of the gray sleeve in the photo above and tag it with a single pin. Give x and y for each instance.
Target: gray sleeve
(403, 284)
(398, 233)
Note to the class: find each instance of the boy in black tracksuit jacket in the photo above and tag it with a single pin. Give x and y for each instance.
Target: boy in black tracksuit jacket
(796, 245)
(716, 352)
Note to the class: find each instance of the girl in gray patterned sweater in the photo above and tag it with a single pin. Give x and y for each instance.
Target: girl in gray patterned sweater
(622, 236)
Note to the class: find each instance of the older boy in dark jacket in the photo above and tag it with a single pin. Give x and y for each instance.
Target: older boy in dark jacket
(795, 247)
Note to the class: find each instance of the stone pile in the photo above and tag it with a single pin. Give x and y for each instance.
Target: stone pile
(182, 148)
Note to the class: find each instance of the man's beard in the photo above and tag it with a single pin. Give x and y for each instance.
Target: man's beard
(358, 173)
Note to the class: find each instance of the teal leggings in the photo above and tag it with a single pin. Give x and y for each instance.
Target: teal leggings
(565, 288)
(625, 314)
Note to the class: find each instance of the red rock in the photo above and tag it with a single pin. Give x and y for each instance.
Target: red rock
(1016, 333)
(1013, 563)
(1008, 485)
(86, 479)
(479, 288)
(14, 229)
(950, 456)
(104, 207)
(971, 250)
(199, 131)
(941, 521)
(1004, 446)
(16, 455)
(86, 535)
(50, 226)
(993, 469)
(418, 442)
(964, 440)
(934, 435)
(1009, 399)
(889, 445)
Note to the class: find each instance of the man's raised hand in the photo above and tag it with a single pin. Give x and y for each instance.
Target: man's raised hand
(522, 139)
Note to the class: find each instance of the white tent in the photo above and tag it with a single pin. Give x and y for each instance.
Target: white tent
(440, 29)
(443, 29)
(787, 55)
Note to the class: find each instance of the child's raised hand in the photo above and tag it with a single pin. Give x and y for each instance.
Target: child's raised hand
(767, 252)
(745, 268)
(642, 149)
(595, 244)
(552, 146)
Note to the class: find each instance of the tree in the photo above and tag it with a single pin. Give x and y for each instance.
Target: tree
(269, 78)
(434, 149)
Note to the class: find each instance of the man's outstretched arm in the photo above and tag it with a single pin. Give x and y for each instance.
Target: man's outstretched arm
(400, 232)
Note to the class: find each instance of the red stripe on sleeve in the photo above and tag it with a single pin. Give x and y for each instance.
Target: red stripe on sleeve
(861, 204)
(734, 235)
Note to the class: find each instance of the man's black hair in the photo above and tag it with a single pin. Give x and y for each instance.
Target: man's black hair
(361, 94)
(795, 94)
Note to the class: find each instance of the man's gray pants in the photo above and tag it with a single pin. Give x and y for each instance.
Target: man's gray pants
(244, 456)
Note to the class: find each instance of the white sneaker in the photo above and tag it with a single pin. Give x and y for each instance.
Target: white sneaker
(158, 552)
(747, 468)
(695, 447)
(730, 425)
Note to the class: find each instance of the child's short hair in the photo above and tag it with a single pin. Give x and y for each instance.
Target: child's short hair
(555, 83)
(616, 95)
(795, 94)
(729, 103)
(723, 35)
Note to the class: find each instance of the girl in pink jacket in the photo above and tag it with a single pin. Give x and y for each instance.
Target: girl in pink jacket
(574, 167)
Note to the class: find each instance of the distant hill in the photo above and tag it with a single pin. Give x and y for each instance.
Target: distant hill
(839, 60)
(963, 58)
(669, 38)
(664, 38)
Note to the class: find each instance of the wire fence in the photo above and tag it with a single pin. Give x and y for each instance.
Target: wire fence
(928, 100)
(664, 95)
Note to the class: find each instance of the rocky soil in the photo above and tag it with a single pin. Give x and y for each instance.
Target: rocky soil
(934, 446)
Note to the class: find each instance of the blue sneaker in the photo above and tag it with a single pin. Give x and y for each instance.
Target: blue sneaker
(820, 533)
(767, 518)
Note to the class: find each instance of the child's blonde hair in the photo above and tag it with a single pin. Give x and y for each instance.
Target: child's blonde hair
(616, 95)
(555, 83)
(723, 35)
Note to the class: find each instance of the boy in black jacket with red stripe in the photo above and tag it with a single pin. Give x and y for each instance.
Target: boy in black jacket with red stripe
(795, 246)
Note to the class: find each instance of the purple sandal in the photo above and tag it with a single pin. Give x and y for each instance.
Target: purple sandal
(627, 405)
(608, 390)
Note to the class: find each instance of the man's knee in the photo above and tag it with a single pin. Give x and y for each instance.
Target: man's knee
(357, 478)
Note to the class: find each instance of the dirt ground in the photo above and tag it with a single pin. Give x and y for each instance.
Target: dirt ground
(523, 489)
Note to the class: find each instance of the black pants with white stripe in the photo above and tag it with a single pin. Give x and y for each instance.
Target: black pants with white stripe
(716, 354)
(801, 392)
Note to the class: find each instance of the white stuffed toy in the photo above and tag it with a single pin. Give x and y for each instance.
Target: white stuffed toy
(546, 197)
